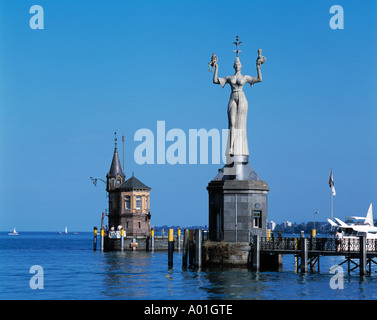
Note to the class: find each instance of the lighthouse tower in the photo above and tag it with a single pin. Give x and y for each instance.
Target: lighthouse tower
(129, 201)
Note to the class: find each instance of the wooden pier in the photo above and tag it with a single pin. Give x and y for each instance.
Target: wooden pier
(358, 252)
(258, 253)
(119, 241)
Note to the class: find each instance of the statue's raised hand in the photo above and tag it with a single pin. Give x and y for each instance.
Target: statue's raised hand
(213, 62)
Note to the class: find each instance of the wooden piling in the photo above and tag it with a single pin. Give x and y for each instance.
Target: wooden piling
(122, 239)
(179, 239)
(95, 239)
(152, 239)
(363, 255)
(191, 248)
(170, 247)
(198, 248)
(303, 253)
(102, 239)
(256, 253)
(185, 248)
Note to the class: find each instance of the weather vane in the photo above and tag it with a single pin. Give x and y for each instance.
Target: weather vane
(237, 43)
(115, 139)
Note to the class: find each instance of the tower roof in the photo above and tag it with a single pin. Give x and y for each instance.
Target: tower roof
(116, 168)
(133, 184)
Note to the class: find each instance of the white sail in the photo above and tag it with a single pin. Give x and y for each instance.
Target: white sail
(14, 233)
(369, 217)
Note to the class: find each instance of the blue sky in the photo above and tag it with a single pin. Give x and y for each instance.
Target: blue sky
(101, 66)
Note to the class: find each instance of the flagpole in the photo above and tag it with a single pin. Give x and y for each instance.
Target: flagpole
(332, 206)
(123, 151)
(331, 184)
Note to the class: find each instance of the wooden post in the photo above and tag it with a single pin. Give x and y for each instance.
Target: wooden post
(95, 239)
(296, 262)
(363, 255)
(102, 239)
(152, 239)
(256, 252)
(313, 234)
(122, 239)
(198, 248)
(185, 248)
(170, 248)
(303, 253)
(191, 248)
(179, 239)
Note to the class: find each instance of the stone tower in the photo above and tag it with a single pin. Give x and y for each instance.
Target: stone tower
(129, 201)
(114, 178)
(135, 214)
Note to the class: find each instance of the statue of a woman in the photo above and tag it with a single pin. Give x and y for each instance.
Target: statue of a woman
(237, 106)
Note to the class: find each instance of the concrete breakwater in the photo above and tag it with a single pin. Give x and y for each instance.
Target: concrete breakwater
(237, 254)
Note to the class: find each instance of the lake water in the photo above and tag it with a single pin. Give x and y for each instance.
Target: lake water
(72, 270)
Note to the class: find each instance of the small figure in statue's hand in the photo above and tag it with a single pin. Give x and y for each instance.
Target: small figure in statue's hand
(260, 59)
(213, 62)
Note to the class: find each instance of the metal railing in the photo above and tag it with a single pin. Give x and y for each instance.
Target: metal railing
(278, 244)
(317, 244)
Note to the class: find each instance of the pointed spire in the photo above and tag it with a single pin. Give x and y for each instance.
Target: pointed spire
(115, 168)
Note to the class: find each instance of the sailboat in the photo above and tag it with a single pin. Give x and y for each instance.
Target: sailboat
(14, 233)
(65, 231)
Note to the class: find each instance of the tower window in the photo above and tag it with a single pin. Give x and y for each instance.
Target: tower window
(127, 202)
(139, 225)
(257, 219)
(138, 202)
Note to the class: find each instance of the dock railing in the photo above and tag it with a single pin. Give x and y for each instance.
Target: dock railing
(316, 244)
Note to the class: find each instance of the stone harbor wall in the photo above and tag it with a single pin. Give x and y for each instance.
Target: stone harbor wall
(221, 253)
(236, 254)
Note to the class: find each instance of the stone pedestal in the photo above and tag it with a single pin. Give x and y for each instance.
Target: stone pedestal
(237, 208)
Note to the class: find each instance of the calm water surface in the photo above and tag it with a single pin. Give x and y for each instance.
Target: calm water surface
(73, 271)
